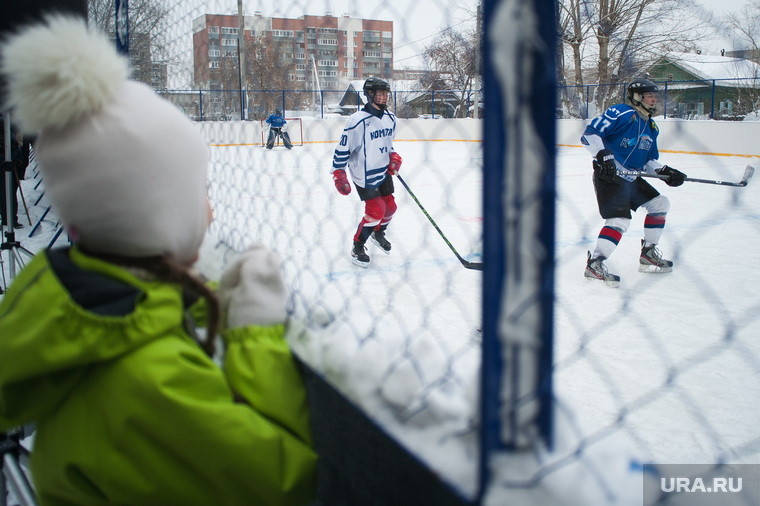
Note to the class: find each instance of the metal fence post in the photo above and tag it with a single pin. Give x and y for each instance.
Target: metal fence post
(712, 101)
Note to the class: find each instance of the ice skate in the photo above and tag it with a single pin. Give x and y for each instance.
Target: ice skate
(595, 269)
(359, 255)
(378, 238)
(651, 260)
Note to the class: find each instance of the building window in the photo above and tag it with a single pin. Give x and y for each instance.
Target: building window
(327, 42)
(214, 53)
(213, 64)
(229, 31)
(386, 35)
(229, 42)
(213, 29)
(670, 77)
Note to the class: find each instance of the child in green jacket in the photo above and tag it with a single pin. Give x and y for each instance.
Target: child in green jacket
(97, 341)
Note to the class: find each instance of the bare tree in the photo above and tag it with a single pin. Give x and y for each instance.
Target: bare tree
(623, 36)
(453, 59)
(746, 23)
(572, 31)
(268, 69)
(147, 18)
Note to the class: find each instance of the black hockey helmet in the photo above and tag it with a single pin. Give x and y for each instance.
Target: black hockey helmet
(635, 92)
(375, 84)
(371, 86)
(278, 112)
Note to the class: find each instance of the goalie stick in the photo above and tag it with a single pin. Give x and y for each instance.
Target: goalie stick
(748, 173)
(478, 266)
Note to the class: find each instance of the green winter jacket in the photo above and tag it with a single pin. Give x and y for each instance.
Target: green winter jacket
(130, 410)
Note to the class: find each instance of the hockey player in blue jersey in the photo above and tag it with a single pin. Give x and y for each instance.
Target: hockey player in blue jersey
(366, 149)
(277, 128)
(623, 142)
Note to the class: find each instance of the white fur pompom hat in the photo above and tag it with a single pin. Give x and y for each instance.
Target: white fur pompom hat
(124, 169)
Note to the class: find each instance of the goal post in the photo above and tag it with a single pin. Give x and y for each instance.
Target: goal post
(294, 127)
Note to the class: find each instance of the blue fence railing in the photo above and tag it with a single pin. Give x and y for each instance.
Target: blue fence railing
(720, 99)
(220, 105)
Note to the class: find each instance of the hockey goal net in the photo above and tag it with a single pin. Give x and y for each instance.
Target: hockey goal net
(294, 127)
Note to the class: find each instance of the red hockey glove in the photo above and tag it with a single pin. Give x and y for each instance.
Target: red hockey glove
(341, 182)
(395, 163)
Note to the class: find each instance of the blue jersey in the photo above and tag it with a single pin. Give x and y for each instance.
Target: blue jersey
(631, 138)
(276, 121)
(365, 147)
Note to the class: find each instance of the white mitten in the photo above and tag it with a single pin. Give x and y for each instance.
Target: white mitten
(252, 291)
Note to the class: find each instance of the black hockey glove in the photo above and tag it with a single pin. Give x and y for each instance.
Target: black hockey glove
(675, 177)
(604, 166)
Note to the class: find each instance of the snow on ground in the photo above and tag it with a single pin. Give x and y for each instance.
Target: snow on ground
(662, 369)
(666, 363)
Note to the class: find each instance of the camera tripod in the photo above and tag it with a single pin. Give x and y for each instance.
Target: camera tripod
(12, 478)
(9, 243)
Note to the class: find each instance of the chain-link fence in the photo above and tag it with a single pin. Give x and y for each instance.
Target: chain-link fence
(401, 338)
(523, 383)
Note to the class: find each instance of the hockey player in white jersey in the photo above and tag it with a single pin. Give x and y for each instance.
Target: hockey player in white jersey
(366, 149)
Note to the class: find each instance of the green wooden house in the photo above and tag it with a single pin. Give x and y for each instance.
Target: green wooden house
(698, 86)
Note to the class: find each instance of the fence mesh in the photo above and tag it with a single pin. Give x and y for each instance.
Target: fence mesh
(656, 371)
(401, 338)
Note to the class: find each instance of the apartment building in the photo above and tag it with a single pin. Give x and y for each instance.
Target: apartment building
(319, 52)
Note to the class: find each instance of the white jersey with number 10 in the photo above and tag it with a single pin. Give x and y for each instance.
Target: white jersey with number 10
(365, 147)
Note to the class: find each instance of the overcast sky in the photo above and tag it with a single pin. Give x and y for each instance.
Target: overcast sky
(725, 6)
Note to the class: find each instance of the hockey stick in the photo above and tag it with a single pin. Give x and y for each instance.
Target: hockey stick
(748, 172)
(478, 266)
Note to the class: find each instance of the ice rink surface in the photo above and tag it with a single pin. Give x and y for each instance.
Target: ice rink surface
(675, 351)
(667, 364)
